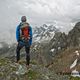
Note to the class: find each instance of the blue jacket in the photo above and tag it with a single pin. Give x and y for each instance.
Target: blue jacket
(18, 34)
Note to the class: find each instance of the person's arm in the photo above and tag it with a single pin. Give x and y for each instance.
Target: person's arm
(18, 33)
(30, 33)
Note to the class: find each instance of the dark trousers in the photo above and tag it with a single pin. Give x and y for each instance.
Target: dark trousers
(27, 49)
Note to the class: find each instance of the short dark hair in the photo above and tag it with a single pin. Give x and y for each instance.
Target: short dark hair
(23, 19)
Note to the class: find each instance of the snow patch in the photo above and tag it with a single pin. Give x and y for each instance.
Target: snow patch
(37, 39)
(74, 64)
(35, 47)
(52, 50)
(77, 53)
(59, 48)
(44, 33)
(74, 72)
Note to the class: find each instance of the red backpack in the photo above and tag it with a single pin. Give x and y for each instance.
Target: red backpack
(24, 30)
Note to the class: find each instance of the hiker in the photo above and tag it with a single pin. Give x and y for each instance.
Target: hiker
(24, 39)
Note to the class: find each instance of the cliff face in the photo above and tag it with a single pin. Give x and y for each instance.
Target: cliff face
(74, 36)
(62, 41)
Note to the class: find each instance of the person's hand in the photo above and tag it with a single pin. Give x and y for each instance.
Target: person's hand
(17, 43)
(31, 46)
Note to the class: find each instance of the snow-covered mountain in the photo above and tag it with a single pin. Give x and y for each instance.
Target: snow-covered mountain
(44, 33)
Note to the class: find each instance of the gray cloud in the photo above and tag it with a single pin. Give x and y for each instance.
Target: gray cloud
(64, 12)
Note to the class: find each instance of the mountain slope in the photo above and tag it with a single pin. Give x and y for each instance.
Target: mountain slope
(9, 70)
(62, 63)
(44, 33)
(56, 56)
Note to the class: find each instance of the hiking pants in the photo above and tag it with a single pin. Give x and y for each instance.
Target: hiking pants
(27, 49)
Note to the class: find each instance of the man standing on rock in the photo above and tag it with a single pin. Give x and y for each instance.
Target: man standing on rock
(24, 39)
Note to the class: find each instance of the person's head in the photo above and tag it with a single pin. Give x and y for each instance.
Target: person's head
(23, 19)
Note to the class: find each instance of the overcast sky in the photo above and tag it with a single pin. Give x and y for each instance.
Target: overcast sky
(38, 12)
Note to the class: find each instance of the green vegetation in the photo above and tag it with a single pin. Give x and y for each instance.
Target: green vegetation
(74, 78)
(3, 62)
(32, 75)
(33, 62)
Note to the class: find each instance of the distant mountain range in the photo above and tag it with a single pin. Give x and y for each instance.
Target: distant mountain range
(44, 33)
(40, 34)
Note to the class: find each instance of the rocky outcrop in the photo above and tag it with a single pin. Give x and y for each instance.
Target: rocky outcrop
(59, 42)
(9, 70)
(74, 36)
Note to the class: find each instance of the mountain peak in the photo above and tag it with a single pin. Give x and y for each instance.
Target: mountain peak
(44, 33)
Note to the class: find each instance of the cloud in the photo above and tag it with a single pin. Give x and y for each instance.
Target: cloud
(60, 10)
(39, 12)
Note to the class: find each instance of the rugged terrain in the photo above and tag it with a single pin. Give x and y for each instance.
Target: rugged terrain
(55, 59)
